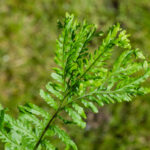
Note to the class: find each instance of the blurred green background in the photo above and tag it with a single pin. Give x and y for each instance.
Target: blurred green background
(28, 30)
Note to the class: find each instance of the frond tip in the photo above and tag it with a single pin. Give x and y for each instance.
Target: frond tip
(83, 80)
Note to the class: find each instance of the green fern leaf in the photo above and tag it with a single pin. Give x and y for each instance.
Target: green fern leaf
(63, 136)
(83, 80)
(48, 99)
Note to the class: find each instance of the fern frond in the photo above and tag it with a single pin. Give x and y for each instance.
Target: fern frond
(83, 80)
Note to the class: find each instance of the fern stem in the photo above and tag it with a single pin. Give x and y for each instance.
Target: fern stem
(50, 121)
(90, 66)
(45, 129)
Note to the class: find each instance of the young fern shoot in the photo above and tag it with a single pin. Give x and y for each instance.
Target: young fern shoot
(82, 80)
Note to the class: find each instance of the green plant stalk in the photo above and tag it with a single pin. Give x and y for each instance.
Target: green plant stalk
(49, 122)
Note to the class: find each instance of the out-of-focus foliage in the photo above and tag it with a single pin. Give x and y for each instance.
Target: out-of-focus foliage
(27, 41)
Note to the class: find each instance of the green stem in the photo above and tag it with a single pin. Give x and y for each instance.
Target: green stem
(49, 122)
(45, 129)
